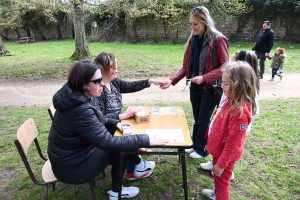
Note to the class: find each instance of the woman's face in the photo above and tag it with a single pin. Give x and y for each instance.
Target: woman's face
(95, 87)
(197, 26)
(226, 83)
(113, 72)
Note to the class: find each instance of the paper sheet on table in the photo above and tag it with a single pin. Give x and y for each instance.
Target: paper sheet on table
(174, 135)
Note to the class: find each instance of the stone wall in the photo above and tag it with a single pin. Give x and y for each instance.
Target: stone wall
(147, 29)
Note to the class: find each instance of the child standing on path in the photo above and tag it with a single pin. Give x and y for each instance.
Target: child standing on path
(227, 131)
(251, 58)
(277, 63)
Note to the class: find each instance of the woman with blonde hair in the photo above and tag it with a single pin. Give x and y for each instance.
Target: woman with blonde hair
(206, 51)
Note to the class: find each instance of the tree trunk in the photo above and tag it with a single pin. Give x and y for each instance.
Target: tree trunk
(3, 50)
(81, 46)
(27, 31)
(36, 27)
(58, 31)
(17, 32)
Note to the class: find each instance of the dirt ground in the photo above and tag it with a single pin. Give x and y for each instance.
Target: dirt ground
(23, 94)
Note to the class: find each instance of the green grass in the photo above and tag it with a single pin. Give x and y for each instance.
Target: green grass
(51, 59)
(269, 168)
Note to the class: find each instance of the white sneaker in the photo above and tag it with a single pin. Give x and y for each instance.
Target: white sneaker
(207, 166)
(191, 150)
(209, 193)
(127, 192)
(195, 155)
(147, 171)
(231, 178)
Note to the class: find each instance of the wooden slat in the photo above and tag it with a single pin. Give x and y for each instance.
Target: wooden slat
(26, 134)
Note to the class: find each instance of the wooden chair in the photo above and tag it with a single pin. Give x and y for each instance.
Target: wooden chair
(26, 134)
(51, 111)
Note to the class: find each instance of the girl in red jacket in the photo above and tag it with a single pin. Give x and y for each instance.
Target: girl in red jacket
(227, 131)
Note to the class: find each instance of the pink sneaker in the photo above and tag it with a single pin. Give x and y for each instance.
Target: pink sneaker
(144, 150)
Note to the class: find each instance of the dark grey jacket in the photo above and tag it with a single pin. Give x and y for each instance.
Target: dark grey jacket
(122, 87)
(265, 41)
(79, 127)
(278, 61)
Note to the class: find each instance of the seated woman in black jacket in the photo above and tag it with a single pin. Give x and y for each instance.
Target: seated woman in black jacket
(79, 145)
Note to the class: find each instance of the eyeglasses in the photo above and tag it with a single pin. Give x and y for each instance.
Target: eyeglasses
(96, 81)
(197, 9)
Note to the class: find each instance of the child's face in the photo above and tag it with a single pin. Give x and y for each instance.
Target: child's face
(226, 83)
(234, 57)
(277, 51)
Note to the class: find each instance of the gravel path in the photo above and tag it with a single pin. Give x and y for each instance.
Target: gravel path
(40, 93)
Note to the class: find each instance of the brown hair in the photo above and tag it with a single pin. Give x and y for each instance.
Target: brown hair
(251, 58)
(106, 61)
(80, 74)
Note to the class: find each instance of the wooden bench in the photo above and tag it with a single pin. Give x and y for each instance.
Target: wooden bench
(25, 40)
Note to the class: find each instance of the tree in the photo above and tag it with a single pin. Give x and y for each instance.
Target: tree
(3, 50)
(81, 46)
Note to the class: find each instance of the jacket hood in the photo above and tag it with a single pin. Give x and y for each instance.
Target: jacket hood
(66, 98)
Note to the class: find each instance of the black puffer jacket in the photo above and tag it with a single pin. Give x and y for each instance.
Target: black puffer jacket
(78, 128)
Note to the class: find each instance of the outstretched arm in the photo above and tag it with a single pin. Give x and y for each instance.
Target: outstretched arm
(166, 84)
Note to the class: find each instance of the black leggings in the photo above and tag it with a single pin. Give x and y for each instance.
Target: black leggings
(93, 166)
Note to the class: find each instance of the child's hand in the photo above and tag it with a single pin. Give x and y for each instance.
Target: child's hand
(217, 170)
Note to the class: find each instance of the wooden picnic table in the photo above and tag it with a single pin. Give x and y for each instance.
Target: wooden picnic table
(25, 40)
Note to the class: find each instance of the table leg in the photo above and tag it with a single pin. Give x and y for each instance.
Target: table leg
(183, 166)
(120, 175)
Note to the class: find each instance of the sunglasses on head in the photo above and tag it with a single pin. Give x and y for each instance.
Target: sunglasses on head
(198, 10)
(96, 81)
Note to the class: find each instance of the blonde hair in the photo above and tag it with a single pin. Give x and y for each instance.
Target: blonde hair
(242, 85)
(202, 14)
(106, 61)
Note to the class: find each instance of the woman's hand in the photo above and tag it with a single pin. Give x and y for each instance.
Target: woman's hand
(158, 141)
(217, 170)
(166, 84)
(129, 113)
(120, 124)
(197, 80)
(156, 82)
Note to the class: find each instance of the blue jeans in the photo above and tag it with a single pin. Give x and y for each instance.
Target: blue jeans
(274, 72)
(203, 105)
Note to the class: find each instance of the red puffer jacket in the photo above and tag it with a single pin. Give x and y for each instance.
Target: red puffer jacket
(228, 134)
(210, 75)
